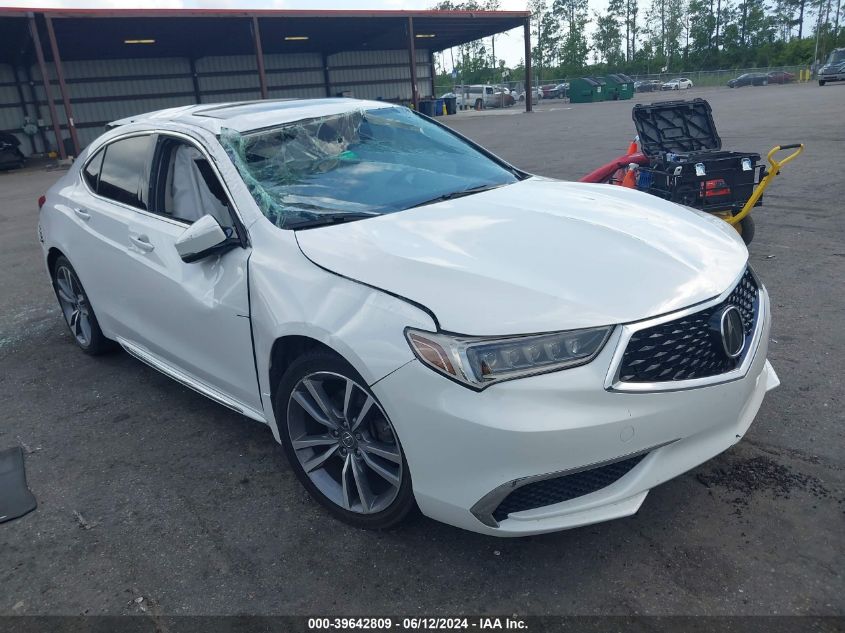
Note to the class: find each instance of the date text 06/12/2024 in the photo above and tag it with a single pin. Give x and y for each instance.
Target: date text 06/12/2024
(417, 623)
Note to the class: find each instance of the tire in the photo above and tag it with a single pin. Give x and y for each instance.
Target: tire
(361, 476)
(77, 309)
(821, 82)
(745, 228)
(479, 104)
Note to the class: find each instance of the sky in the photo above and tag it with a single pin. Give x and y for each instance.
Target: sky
(509, 46)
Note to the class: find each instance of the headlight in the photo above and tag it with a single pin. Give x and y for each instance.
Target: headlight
(480, 361)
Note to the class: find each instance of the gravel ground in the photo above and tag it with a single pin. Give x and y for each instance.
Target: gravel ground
(147, 490)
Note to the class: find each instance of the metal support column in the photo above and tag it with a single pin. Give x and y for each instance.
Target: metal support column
(33, 99)
(24, 107)
(45, 80)
(529, 92)
(412, 52)
(259, 56)
(195, 79)
(432, 72)
(326, 78)
(57, 63)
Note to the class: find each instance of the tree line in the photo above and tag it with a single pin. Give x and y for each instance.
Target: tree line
(654, 36)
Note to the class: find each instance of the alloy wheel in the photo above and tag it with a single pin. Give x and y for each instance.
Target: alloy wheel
(74, 305)
(344, 442)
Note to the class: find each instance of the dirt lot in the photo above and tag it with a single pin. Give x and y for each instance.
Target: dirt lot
(146, 489)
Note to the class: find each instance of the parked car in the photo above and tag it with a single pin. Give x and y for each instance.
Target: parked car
(749, 79)
(561, 90)
(555, 91)
(834, 67)
(780, 77)
(11, 156)
(459, 99)
(648, 85)
(537, 95)
(677, 84)
(308, 264)
(504, 98)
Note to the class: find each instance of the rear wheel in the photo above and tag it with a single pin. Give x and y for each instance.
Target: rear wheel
(77, 310)
(341, 444)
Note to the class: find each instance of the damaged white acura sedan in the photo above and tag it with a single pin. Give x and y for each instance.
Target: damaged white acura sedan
(417, 321)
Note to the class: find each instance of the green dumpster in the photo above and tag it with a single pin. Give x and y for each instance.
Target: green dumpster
(587, 90)
(619, 86)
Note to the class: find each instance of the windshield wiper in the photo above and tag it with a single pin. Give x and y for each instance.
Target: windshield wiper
(330, 218)
(457, 194)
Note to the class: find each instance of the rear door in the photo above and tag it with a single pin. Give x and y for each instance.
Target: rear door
(114, 181)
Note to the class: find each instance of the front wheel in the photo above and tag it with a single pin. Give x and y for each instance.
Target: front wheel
(821, 82)
(341, 444)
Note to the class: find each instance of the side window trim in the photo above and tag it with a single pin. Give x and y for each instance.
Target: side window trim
(100, 150)
(155, 174)
(104, 148)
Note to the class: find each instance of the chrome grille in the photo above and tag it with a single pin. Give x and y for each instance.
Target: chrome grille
(686, 348)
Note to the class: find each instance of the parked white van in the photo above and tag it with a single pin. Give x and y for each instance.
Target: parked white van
(481, 96)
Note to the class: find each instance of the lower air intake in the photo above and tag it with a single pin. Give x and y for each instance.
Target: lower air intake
(550, 491)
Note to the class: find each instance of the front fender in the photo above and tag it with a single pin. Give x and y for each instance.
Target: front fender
(291, 296)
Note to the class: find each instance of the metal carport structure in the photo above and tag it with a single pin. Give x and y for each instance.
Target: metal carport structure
(111, 63)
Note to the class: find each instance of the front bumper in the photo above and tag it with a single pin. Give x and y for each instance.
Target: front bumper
(462, 445)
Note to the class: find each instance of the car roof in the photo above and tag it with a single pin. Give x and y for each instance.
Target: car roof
(243, 116)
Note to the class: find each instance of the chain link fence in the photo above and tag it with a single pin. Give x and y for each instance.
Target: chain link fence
(699, 78)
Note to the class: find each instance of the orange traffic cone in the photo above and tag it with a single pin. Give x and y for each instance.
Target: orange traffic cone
(630, 179)
(633, 148)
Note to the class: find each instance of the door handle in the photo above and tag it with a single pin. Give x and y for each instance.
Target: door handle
(82, 213)
(142, 242)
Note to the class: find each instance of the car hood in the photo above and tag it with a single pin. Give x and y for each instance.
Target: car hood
(537, 256)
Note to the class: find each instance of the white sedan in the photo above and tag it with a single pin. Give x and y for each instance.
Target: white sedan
(418, 322)
(677, 84)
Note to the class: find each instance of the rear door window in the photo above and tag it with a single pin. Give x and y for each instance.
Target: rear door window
(124, 174)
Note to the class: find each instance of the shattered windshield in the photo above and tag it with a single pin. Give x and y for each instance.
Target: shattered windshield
(356, 164)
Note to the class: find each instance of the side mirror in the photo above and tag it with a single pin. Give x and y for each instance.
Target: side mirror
(203, 238)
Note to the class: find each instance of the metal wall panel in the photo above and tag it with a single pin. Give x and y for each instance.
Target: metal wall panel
(7, 74)
(295, 70)
(317, 92)
(230, 63)
(11, 114)
(112, 68)
(239, 81)
(294, 60)
(105, 90)
(379, 74)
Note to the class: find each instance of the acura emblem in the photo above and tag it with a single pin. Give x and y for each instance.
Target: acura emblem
(732, 331)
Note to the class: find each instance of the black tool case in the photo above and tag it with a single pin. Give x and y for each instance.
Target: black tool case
(687, 163)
